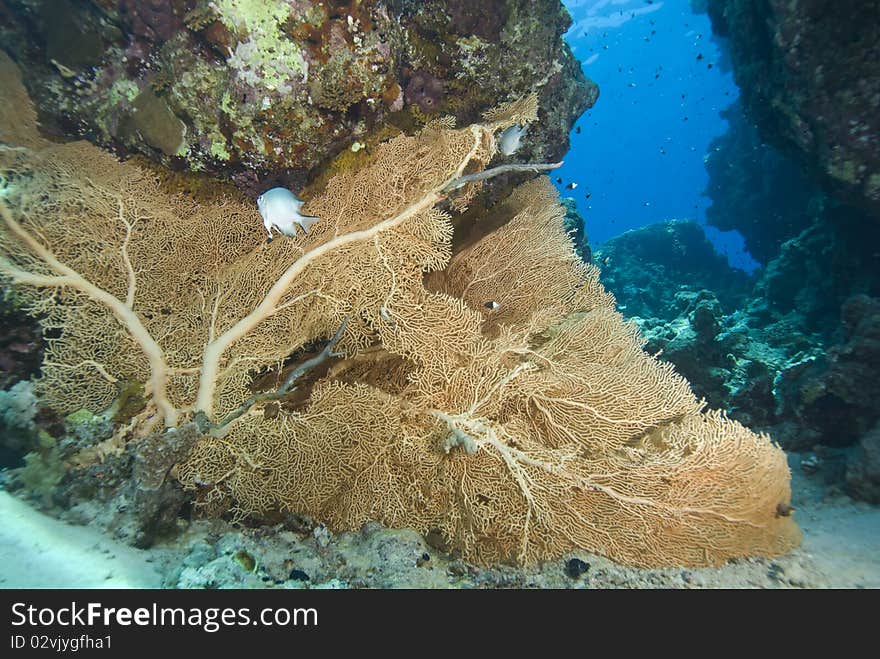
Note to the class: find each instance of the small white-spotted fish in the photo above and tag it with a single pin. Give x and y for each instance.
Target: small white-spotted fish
(280, 209)
(492, 305)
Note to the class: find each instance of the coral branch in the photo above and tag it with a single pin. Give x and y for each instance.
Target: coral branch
(462, 181)
(214, 350)
(285, 388)
(70, 278)
(126, 259)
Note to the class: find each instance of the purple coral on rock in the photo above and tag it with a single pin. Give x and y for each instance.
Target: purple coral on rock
(424, 90)
(154, 20)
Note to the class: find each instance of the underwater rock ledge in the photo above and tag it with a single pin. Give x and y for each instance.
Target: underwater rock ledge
(272, 92)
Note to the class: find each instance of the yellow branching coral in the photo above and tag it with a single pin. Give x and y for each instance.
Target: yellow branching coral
(520, 430)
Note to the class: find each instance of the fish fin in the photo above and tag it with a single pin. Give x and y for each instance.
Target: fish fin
(289, 230)
(308, 220)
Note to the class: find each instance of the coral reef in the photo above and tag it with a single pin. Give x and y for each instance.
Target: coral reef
(277, 90)
(300, 555)
(690, 328)
(809, 72)
(516, 432)
(793, 353)
(639, 266)
(833, 397)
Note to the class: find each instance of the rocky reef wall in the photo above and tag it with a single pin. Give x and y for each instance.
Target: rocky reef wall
(277, 92)
(809, 74)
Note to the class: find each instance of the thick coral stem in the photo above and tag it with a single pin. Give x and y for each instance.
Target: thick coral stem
(69, 278)
(214, 350)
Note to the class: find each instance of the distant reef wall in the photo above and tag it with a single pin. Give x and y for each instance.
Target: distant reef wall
(285, 91)
(809, 74)
(757, 190)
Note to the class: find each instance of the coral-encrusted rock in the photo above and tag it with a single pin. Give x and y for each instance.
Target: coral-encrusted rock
(839, 395)
(135, 495)
(809, 72)
(21, 344)
(669, 278)
(797, 357)
(644, 267)
(487, 51)
(863, 471)
(268, 93)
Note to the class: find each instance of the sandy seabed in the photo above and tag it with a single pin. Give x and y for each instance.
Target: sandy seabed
(841, 549)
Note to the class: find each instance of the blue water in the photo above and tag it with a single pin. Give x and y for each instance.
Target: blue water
(640, 151)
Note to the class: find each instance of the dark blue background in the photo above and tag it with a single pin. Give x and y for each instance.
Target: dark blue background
(641, 147)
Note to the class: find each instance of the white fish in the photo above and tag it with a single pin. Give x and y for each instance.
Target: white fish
(280, 209)
(510, 138)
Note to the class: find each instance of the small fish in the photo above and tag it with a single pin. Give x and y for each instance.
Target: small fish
(385, 315)
(605, 260)
(784, 509)
(571, 186)
(492, 305)
(280, 209)
(588, 195)
(577, 130)
(510, 139)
